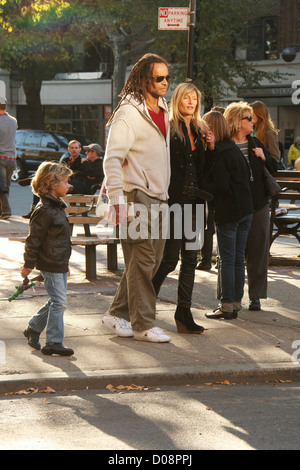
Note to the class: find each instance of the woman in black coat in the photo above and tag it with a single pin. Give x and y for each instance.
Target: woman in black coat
(239, 118)
(186, 196)
(228, 179)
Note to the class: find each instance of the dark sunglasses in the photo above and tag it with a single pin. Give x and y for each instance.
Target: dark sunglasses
(248, 117)
(161, 78)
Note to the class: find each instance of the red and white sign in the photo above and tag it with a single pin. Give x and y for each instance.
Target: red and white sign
(173, 18)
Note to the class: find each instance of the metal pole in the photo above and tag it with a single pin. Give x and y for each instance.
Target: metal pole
(191, 36)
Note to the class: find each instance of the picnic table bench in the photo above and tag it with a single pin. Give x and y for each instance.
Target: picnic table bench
(78, 215)
(288, 198)
(81, 210)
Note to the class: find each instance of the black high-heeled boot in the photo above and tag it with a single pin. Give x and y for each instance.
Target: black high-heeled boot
(185, 322)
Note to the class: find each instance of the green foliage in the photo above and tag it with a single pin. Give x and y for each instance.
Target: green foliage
(220, 28)
(28, 33)
(36, 33)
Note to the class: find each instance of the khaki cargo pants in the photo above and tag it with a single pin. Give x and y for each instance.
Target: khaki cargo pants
(135, 299)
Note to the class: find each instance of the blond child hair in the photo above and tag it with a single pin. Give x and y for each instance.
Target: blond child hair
(49, 174)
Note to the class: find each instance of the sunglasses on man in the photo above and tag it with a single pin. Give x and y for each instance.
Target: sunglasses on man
(161, 78)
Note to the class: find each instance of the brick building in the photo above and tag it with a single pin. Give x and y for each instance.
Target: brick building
(277, 27)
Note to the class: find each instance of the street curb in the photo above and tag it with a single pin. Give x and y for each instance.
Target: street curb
(240, 374)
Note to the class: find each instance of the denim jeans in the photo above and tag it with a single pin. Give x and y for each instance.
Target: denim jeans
(51, 314)
(232, 239)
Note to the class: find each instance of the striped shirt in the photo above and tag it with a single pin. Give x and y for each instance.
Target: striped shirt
(245, 151)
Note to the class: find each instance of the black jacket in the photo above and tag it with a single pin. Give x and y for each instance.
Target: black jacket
(228, 179)
(258, 190)
(48, 245)
(179, 151)
(90, 173)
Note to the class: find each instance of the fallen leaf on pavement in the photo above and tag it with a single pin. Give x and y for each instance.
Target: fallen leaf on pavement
(117, 388)
(48, 390)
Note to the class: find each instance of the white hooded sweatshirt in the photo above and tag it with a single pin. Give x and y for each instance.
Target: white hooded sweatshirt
(137, 154)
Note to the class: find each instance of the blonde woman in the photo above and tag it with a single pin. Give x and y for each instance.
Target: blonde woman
(239, 116)
(189, 137)
(228, 179)
(264, 129)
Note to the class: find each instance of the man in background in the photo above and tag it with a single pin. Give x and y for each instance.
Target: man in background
(89, 174)
(8, 129)
(73, 158)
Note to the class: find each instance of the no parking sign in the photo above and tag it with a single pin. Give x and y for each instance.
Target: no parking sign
(173, 18)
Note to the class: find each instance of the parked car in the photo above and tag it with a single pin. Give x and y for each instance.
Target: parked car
(35, 146)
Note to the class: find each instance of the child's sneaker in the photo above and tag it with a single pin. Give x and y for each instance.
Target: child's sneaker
(57, 349)
(32, 338)
(117, 325)
(154, 335)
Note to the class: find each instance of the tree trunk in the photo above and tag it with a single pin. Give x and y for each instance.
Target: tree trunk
(32, 84)
(119, 75)
(208, 103)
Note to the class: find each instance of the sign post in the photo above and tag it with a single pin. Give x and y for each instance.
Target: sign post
(190, 54)
(178, 19)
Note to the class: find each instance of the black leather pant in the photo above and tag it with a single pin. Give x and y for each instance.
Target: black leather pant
(173, 248)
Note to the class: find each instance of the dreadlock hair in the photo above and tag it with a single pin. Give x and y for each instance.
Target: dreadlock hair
(138, 80)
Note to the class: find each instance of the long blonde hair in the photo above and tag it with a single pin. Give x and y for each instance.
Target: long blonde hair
(176, 117)
(264, 122)
(48, 175)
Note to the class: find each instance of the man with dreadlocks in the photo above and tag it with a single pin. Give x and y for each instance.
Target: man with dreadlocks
(137, 172)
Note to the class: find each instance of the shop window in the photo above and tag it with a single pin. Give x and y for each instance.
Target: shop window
(86, 112)
(58, 112)
(85, 120)
(263, 39)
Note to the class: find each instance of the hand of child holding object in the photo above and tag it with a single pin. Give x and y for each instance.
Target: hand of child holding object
(25, 271)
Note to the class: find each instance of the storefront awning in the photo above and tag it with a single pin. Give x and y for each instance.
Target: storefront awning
(271, 95)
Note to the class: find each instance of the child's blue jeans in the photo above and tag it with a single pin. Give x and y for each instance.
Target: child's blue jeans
(51, 314)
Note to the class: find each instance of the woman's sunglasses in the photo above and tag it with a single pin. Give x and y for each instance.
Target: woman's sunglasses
(161, 78)
(249, 118)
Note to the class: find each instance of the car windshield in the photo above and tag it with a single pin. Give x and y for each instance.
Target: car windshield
(65, 138)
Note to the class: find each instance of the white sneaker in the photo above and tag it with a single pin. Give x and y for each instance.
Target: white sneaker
(154, 335)
(117, 325)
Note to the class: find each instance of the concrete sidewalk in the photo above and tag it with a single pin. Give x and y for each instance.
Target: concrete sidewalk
(257, 346)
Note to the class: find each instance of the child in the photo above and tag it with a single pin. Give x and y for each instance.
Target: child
(48, 248)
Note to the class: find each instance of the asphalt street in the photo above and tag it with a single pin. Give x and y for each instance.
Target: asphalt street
(190, 418)
(236, 386)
